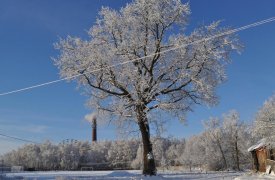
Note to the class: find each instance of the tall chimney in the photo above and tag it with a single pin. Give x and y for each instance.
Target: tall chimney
(94, 135)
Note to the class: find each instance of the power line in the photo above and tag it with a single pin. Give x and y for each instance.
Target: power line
(258, 23)
(20, 139)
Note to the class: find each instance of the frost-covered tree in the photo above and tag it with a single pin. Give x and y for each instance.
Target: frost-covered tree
(230, 137)
(194, 153)
(147, 81)
(237, 138)
(174, 151)
(49, 156)
(264, 125)
(160, 145)
(121, 153)
(137, 162)
(215, 137)
(32, 156)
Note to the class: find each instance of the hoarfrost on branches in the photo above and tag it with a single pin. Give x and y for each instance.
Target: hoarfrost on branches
(129, 89)
(171, 81)
(264, 125)
(228, 138)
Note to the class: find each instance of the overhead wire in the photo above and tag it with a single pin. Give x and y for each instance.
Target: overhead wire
(258, 23)
(17, 138)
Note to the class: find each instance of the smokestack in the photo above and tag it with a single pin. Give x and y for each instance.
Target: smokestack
(91, 118)
(94, 138)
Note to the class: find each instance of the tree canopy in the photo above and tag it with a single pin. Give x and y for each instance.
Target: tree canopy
(139, 60)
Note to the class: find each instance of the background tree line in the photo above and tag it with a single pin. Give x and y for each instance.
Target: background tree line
(222, 145)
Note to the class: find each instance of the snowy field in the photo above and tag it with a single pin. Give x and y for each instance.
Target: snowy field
(133, 174)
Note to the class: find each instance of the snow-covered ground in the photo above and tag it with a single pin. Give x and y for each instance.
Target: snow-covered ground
(255, 177)
(133, 174)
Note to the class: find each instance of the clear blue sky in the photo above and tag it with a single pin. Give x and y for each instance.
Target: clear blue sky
(28, 29)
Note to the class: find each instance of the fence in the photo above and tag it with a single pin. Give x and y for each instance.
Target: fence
(105, 166)
(89, 166)
(3, 169)
(6, 168)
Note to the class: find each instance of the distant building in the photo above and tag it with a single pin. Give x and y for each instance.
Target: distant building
(263, 154)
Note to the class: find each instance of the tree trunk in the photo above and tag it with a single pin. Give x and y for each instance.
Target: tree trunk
(222, 153)
(149, 167)
(237, 155)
